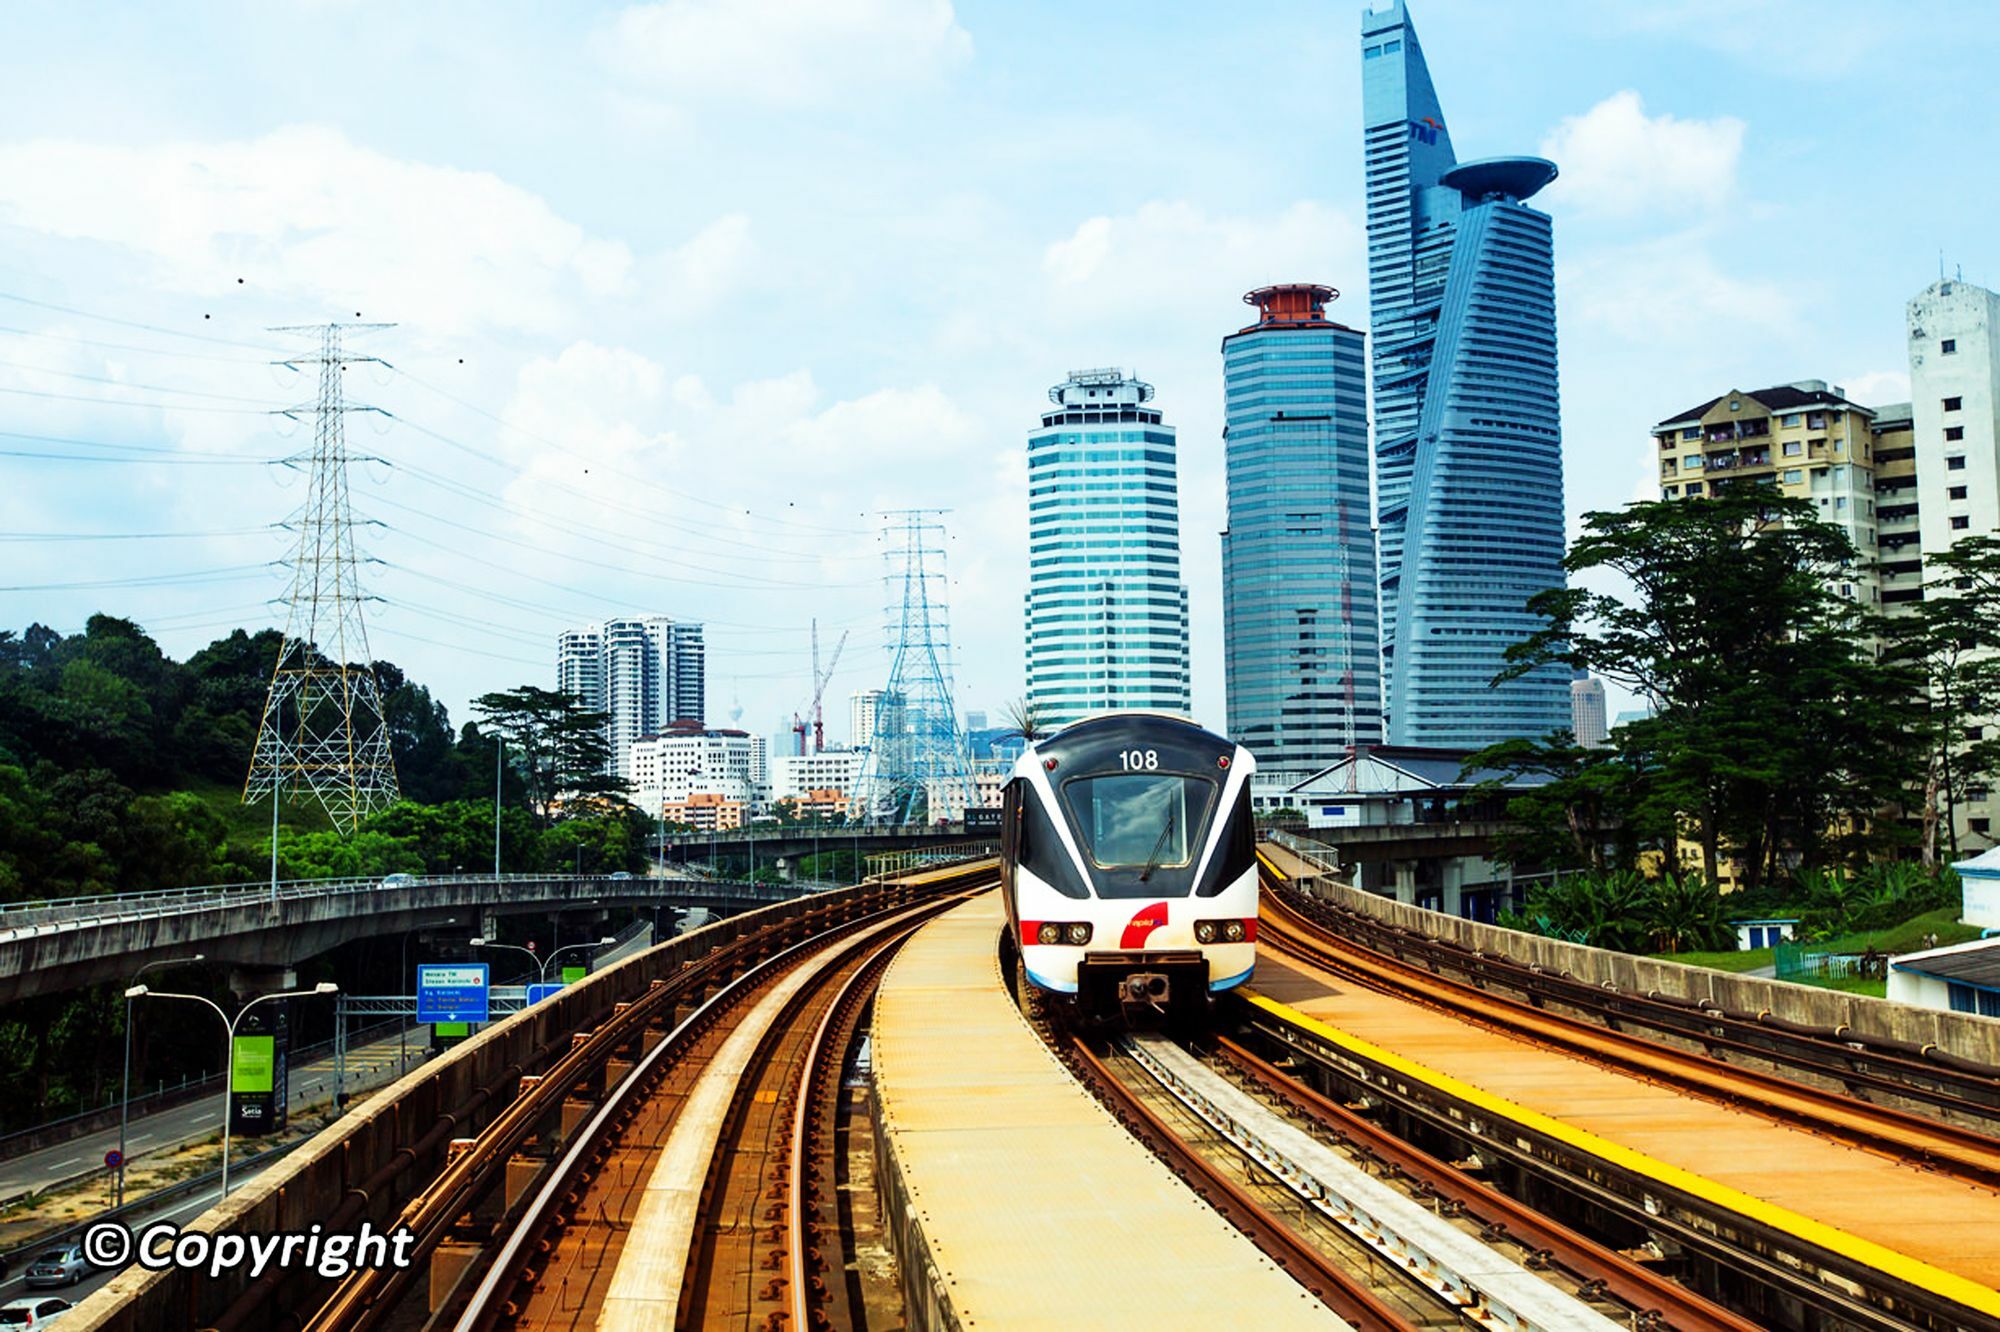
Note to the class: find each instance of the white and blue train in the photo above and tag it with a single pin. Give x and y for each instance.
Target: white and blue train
(1129, 864)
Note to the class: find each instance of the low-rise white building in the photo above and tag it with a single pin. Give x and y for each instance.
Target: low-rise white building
(795, 776)
(690, 760)
(1960, 978)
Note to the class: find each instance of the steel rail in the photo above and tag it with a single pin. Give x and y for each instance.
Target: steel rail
(366, 1294)
(766, 1065)
(1657, 1300)
(1961, 1152)
(1916, 1071)
(1683, 1219)
(488, 1303)
(815, 1108)
(1326, 1279)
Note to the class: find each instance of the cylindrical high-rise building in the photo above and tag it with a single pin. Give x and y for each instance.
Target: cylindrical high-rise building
(1107, 614)
(1301, 656)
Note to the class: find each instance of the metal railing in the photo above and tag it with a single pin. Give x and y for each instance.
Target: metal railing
(48, 914)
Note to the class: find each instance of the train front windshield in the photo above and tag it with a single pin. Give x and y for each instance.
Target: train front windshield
(1139, 820)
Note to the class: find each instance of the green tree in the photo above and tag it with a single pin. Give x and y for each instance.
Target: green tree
(1773, 727)
(559, 745)
(1567, 805)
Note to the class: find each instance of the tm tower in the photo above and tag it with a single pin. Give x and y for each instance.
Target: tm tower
(323, 727)
(916, 769)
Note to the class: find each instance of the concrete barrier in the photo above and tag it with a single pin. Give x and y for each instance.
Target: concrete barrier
(1963, 1035)
(399, 1137)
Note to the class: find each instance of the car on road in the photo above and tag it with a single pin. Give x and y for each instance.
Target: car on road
(621, 875)
(63, 1266)
(35, 1311)
(398, 881)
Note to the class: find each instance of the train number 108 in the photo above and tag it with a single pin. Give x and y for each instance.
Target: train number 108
(1140, 760)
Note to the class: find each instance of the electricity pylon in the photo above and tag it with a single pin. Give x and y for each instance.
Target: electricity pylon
(323, 728)
(917, 766)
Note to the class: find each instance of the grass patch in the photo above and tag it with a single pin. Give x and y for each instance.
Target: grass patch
(1743, 959)
(252, 823)
(1907, 937)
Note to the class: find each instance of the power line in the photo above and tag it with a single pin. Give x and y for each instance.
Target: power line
(131, 402)
(640, 480)
(132, 536)
(123, 383)
(219, 574)
(46, 336)
(131, 323)
(763, 551)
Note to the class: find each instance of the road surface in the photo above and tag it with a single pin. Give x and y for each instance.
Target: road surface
(367, 1066)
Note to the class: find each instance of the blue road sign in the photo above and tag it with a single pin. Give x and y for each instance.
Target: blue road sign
(539, 992)
(452, 992)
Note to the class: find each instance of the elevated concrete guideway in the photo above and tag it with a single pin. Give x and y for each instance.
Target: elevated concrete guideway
(53, 946)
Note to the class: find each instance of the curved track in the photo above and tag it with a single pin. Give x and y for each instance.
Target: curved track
(557, 1244)
(1967, 1154)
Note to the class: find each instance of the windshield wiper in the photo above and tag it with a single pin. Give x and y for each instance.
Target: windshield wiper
(1153, 860)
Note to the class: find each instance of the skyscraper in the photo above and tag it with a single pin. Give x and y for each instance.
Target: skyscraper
(647, 673)
(1302, 660)
(1107, 614)
(1586, 710)
(1954, 332)
(1468, 442)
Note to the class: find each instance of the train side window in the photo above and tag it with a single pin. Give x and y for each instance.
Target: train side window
(1040, 851)
(1236, 852)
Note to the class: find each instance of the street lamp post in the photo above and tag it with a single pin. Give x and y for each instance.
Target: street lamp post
(543, 962)
(125, 1095)
(229, 1044)
(499, 748)
(277, 780)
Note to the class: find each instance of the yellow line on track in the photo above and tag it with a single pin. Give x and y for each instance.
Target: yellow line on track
(1914, 1271)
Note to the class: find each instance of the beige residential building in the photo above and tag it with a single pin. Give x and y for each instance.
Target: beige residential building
(1804, 439)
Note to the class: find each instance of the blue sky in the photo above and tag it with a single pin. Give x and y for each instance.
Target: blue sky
(736, 275)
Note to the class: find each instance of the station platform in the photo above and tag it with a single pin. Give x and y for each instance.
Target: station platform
(1895, 1215)
(1015, 1199)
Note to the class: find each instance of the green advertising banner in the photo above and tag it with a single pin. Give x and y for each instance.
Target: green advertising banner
(571, 975)
(452, 1028)
(253, 1066)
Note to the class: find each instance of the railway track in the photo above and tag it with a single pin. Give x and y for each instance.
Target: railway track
(677, 1117)
(1965, 1153)
(1347, 1292)
(1918, 1075)
(1654, 1299)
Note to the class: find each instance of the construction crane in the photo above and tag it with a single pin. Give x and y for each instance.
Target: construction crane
(820, 679)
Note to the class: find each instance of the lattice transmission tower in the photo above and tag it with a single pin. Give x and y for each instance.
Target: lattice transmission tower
(323, 729)
(917, 769)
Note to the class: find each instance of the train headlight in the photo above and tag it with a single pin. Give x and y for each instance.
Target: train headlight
(1232, 930)
(1204, 931)
(1077, 932)
(1049, 933)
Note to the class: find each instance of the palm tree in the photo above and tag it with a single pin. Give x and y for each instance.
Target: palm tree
(1023, 719)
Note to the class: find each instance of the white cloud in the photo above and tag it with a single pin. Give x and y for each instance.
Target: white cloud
(1878, 388)
(1174, 255)
(615, 411)
(1798, 39)
(1618, 161)
(1671, 290)
(305, 213)
(779, 52)
(714, 261)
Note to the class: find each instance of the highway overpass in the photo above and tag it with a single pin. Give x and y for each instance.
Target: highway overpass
(60, 945)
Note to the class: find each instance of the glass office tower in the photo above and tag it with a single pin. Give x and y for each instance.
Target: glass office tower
(1107, 614)
(1468, 438)
(1301, 662)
